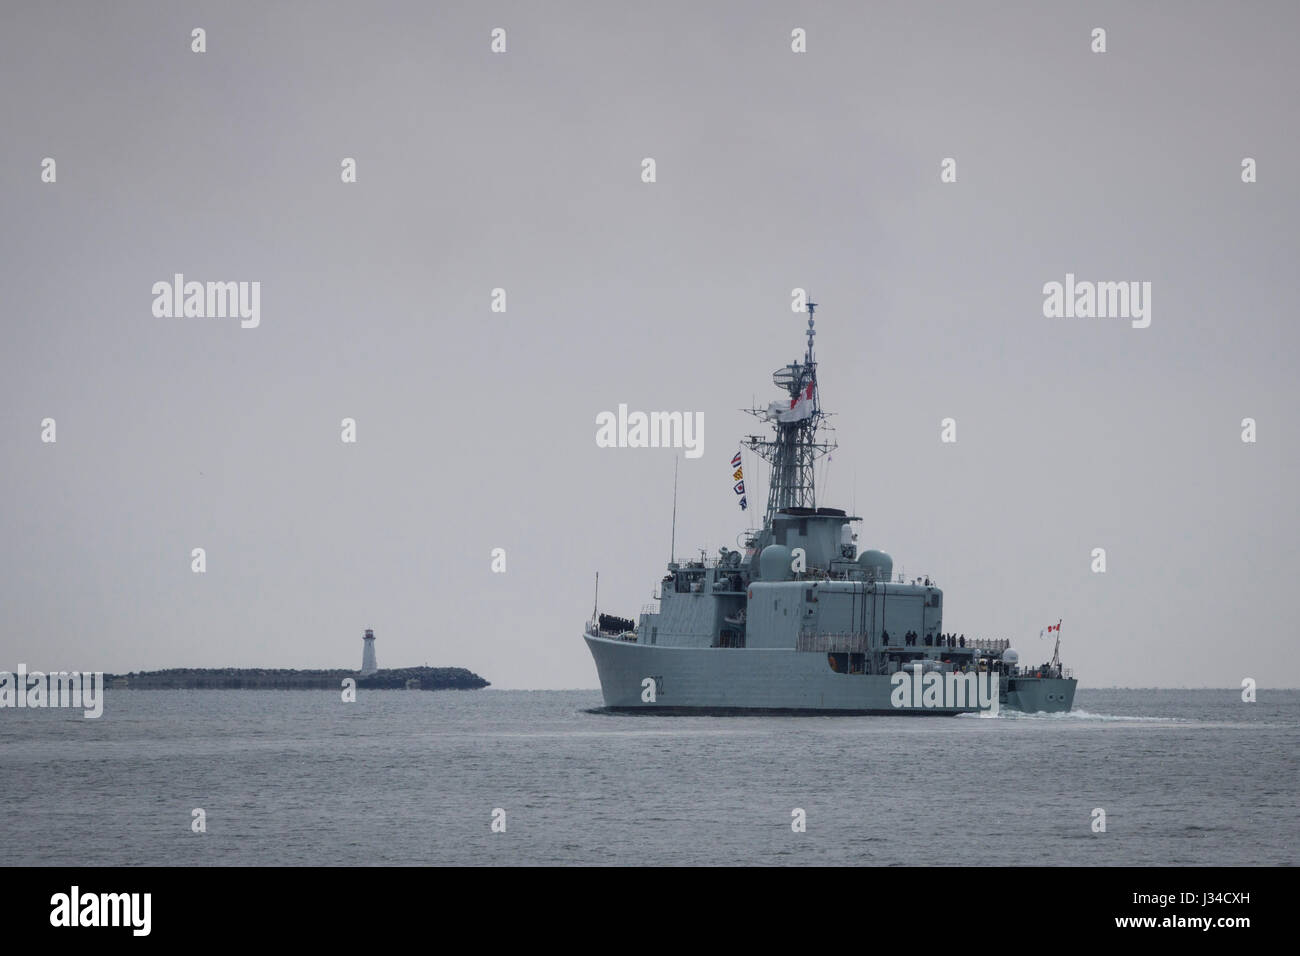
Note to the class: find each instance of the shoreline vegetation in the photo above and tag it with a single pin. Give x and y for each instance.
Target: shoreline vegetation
(257, 678)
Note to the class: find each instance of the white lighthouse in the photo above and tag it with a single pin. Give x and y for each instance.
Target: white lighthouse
(368, 665)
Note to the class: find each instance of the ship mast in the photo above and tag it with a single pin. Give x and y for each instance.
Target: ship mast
(793, 448)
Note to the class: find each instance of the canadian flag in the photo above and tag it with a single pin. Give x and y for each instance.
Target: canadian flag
(801, 406)
(1051, 627)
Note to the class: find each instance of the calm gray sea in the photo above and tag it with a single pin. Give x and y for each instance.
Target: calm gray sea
(407, 777)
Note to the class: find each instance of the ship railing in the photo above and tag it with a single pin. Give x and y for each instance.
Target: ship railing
(595, 630)
(846, 643)
(997, 645)
(1066, 672)
(857, 642)
(708, 564)
(649, 608)
(863, 574)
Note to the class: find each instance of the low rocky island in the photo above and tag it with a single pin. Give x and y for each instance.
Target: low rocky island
(241, 678)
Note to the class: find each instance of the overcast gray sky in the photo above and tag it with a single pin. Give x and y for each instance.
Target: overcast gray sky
(523, 171)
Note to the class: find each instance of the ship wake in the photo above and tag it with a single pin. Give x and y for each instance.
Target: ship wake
(1072, 715)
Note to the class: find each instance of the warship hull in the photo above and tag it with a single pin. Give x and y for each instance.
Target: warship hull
(776, 680)
(802, 620)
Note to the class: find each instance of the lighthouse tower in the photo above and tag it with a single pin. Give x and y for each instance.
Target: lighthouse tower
(368, 665)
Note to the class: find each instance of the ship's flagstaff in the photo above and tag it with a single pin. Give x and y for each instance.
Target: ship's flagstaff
(672, 547)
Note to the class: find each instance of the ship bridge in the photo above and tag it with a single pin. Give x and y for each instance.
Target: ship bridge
(824, 534)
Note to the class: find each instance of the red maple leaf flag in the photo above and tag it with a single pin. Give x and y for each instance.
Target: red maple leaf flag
(801, 406)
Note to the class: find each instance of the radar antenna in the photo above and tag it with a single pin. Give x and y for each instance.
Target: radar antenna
(793, 448)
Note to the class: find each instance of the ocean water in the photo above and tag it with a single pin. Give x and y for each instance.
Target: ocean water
(408, 777)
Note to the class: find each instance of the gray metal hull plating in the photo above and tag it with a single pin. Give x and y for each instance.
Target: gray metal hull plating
(1035, 695)
(721, 680)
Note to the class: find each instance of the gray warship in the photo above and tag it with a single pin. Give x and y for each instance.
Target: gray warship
(799, 622)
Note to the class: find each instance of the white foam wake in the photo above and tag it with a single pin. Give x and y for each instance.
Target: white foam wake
(1075, 714)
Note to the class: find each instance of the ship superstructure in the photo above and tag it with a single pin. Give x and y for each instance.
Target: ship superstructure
(800, 621)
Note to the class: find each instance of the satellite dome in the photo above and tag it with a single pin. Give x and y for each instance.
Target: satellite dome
(877, 564)
(774, 563)
(1010, 656)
